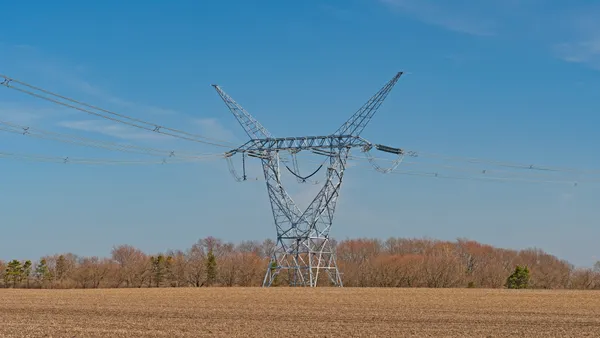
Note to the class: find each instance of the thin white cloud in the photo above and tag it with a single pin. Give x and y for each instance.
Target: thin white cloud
(570, 32)
(111, 129)
(447, 16)
(583, 42)
(18, 115)
(68, 79)
(29, 114)
(142, 109)
(584, 52)
(212, 128)
(70, 76)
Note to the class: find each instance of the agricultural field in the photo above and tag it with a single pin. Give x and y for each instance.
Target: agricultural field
(285, 312)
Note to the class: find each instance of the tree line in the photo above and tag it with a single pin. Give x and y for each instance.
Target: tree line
(395, 262)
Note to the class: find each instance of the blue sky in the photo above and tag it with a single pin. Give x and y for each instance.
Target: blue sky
(514, 81)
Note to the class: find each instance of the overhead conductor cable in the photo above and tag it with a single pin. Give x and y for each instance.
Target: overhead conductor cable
(137, 123)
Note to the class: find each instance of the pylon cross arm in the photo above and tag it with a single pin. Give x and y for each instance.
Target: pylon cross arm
(297, 144)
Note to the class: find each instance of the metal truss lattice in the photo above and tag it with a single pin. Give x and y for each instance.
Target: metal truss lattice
(304, 251)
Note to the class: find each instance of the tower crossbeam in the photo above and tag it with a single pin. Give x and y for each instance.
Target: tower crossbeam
(297, 144)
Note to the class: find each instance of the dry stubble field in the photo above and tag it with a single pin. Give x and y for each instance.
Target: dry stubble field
(285, 312)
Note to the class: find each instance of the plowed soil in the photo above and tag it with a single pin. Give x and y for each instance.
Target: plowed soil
(286, 312)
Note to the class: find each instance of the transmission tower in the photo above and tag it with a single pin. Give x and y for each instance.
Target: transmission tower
(303, 248)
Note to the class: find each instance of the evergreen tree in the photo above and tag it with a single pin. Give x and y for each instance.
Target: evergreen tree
(211, 268)
(26, 272)
(519, 279)
(158, 269)
(14, 273)
(42, 273)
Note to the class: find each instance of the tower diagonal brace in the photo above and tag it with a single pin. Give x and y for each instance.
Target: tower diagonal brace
(304, 250)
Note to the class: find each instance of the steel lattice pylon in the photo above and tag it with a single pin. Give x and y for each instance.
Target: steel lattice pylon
(304, 250)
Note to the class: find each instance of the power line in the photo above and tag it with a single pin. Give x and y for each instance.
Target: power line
(149, 126)
(133, 122)
(153, 127)
(487, 175)
(480, 171)
(469, 172)
(80, 140)
(474, 176)
(481, 178)
(492, 163)
(506, 164)
(97, 161)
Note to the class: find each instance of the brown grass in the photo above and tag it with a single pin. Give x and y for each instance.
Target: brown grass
(284, 312)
